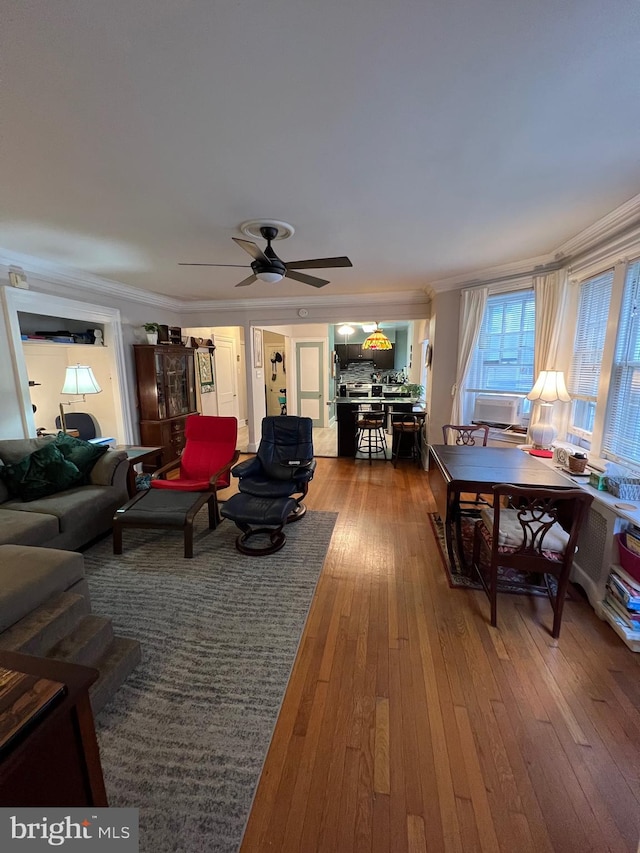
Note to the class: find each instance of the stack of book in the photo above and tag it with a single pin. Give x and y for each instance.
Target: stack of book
(621, 606)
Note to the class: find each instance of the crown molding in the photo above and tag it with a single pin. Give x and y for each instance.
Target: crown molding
(623, 247)
(53, 273)
(503, 272)
(352, 300)
(49, 271)
(613, 237)
(610, 226)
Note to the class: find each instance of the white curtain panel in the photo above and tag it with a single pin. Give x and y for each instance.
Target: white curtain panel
(550, 292)
(472, 308)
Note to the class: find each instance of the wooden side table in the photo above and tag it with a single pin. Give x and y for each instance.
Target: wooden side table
(138, 454)
(52, 760)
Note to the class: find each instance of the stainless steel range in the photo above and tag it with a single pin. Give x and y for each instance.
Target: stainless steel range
(358, 389)
(354, 390)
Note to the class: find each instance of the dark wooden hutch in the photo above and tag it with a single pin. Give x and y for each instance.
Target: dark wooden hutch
(166, 395)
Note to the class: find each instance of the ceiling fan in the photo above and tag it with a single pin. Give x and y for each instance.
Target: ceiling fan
(267, 266)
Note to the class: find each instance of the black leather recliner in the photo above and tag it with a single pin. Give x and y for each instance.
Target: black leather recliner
(284, 464)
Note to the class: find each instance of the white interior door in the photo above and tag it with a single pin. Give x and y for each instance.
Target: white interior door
(310, 369)
(226, 384)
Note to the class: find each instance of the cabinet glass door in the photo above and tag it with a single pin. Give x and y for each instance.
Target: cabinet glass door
(180, 385)
(160, 389)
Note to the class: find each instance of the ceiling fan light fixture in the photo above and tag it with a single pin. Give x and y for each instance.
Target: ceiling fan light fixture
(269, 277)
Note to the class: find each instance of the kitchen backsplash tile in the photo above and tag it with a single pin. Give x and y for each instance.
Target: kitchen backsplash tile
(358, 372)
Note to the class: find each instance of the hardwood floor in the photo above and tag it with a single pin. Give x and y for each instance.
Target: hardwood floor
(409, 724)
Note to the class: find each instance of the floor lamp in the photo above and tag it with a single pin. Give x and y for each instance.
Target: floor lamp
(78, 379)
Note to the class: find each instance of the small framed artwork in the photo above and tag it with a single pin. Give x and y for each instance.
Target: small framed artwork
(205, 372)
(257, 348)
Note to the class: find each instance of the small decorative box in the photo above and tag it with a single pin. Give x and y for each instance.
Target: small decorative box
(597, 481)
(624, 487)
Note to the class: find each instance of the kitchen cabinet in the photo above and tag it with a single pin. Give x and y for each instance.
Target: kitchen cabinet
(166, 395)
(382, 359)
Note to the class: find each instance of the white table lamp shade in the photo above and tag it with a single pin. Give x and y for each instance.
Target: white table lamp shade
(549, 388)
(79, 379)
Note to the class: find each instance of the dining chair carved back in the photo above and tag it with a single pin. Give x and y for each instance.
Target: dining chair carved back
(468, 435)
(465, 434)
(534, 530)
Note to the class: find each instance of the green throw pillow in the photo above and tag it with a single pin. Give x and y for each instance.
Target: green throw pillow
(83, 454)
(42, 473)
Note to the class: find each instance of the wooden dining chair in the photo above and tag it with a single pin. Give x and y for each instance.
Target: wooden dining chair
(468, 435)
(533, 530)
(465, 434)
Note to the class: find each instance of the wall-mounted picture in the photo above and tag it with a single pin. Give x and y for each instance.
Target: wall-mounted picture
(257, 348)
(205, 372)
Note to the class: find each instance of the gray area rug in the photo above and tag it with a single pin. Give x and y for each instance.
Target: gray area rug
(185, 737)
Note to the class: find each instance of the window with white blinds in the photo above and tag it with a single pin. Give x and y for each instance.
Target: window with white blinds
(591, 329)
(622, 423)
(503, 360)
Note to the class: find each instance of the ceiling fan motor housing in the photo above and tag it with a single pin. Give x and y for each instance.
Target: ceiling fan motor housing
(275, 264)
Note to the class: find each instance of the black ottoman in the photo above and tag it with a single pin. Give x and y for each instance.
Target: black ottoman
(164, 508)
(258, 515)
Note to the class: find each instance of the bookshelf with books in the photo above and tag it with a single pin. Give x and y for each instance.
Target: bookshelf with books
(621, 605)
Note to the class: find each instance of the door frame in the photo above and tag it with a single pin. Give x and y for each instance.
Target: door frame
(321, 379)
(234, 375)
(32, 302)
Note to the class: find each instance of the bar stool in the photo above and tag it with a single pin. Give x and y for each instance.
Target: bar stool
(405, 424)
(370, 434)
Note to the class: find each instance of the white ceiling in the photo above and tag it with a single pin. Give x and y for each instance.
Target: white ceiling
(423, 139)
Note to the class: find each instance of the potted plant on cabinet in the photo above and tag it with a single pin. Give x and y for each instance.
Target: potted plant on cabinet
(152, 330)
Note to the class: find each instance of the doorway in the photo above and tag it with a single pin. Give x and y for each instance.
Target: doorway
(225, 358)
(310, 372)
(275, 379)
(45, 305)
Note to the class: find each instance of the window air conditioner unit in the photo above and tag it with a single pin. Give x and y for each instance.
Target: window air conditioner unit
(496, 410)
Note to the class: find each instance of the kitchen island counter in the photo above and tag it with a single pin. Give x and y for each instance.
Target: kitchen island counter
(346, 410)
(359, 401)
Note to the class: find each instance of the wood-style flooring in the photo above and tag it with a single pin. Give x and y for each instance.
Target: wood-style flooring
(409, 724)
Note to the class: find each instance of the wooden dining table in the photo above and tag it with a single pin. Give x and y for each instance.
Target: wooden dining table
(454, 470)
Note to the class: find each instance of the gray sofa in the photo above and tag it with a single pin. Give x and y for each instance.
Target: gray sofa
(45, 609)
(68, 519)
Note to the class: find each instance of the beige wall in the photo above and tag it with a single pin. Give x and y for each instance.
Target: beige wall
(47, 363)
(443, 334)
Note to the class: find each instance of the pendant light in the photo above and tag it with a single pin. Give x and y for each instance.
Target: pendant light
(377, 341)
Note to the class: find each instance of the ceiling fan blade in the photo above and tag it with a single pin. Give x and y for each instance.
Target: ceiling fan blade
(253, 249)
(240, 266)
(319, 263)
(247, 281)
(306, 279)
